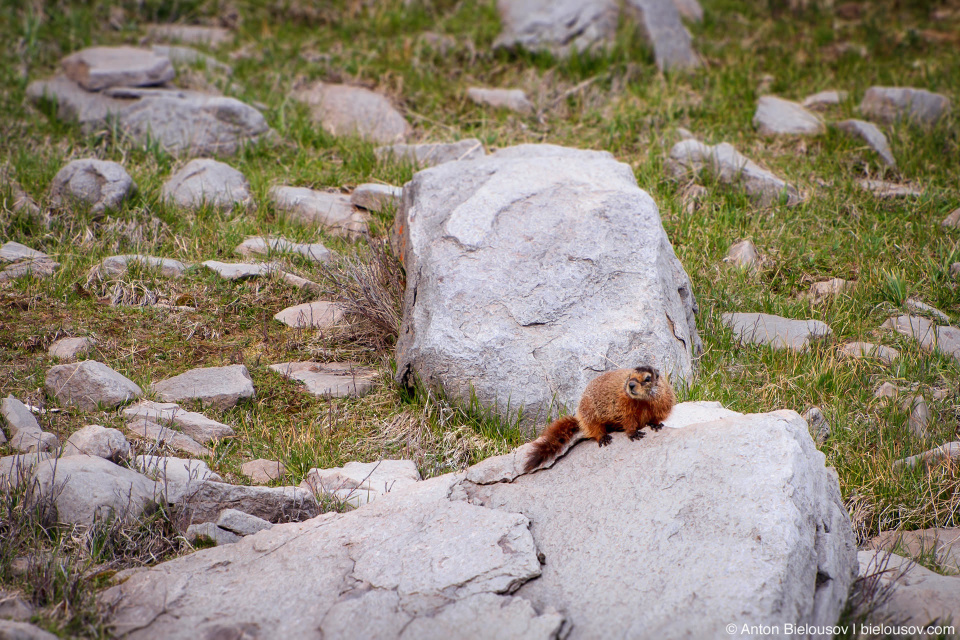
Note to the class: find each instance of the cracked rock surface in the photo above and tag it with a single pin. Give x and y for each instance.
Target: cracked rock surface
(729, 529)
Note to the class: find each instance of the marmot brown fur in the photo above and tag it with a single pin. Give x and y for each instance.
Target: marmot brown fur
(622, 400)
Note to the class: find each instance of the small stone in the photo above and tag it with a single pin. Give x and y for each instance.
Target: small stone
(885, 355)
(189, 34)
(256, 245)
(931, 337)
(330, 379)
(776, 116)
(941, 394)
(357, 483)
(29, 441)
(96, 440)
(262, 471)
(11, 630)
(921, 308)
(888, 104)
(919, 415)
(69, 349)
(872, 136)
(885, 190)
(952, 221)
(512, 99)
(942, 543)
(98, 184)
(18, 416)
(13, 607)
(820, 291)
(376, 197)
(90, 384)
(743, 255)
(824, 99)
(887, 390)
(212, 532)
(37, 268)
(332, 211)
(432, 154)
(97, 68)
(196, 425)
(775, 331)
(217, 387)
(161, 435)
(948, 451)
(189, 55)
(345, 111)
(16, 469)
(239, 270)
(301, 283)
(206, 182)
(818, 424)
(660, 24)
(14, 252)
(116, 266)
(240, 523)
(558, 26)
(317, 315)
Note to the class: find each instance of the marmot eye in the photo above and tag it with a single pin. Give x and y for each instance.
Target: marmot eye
(646, 378)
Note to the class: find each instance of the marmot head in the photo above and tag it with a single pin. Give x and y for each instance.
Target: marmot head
(642, 383)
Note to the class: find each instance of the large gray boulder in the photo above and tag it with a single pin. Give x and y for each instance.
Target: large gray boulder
(531, 271)
(98, 68)
(203, 502)
(207, 182)
(98, 184)
(914, 594)
(217, 387)
(558, 26)
(88, 384)
(609, 543)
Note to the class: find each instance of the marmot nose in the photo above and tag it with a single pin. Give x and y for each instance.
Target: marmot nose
(633, 386)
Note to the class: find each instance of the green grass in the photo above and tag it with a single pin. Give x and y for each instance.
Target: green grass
(615, 101)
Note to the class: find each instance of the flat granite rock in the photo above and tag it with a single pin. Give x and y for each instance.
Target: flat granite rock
(330, 379)
(888, 104)
(217, 387)
(116, 266)
(870, 134)
(358, 483)
(14, 252)
(207, 182)
(660, 23)
(775, 331)
(98, 68)
(260, 246)
(196, 425)
(316, 315)
(824, 99)
(431, 154)
(18, 417)
(886, 355)
(930, 336)
(886, 190)
(558, 26)
(262, 471)
(69, 349)
(38, 268)
(914, 595)
(343, 110)
(240, 270)
(205, 502)
(97, 184)
(210, 531)
(331, 211)
(90, 384)
(512, 99)
(242, 524)
(942, 543)
(157, 435)
(376, 197)
(776, 116)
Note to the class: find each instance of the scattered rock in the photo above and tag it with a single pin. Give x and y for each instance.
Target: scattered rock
(692, 156)
(116, 266)
(523, 279)
(376, 197)
(432, 154)
(824, 99)
(916, 406)
(98, 184)
(940, 543)
(161, 435)
(825, 289)
(210, 531)
(433, 559)
(84, 488)
(884, 190)
(16, 469)
(332, 211)
(776, 116)
(343, 110)
(660, 23)
(13, 607)
(96, 440)
(18, 416)
(14, 252)
(512, 99)
(11, 630)
(189, 55)
(90, 110)
(887, 390)
(948, 451)
(743, 255)
(177, 476)
(261, 471)
(316, 315)
(207, 182)
(921, 308)
(69, 349)
(952, 221)
(256, 245)
(196, 425)
(90, 384)
(777, 332)
(330, 379)
(818, 424)
(240, 271)
(98, 68)
(872, 136)
(217, 387)
(357, 483)
(301, 283)
(917, 596)
(240, 523)
(274, 504)
(886, 355)
(558, 26)
(40, 268)
(888, 104)
(930, 336)
(189, 34)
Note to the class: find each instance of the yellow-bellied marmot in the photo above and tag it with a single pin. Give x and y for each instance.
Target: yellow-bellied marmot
(622, 400)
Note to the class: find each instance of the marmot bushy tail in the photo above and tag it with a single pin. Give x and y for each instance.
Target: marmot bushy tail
(622, 400)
